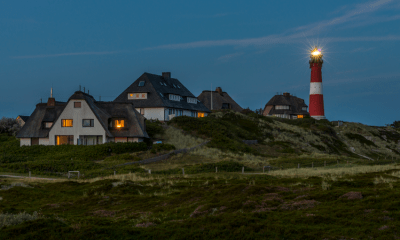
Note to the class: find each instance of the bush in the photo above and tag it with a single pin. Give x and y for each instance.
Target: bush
(361, 139)
(8, 219)
(162, 147)
(153, 128)
(9, 126)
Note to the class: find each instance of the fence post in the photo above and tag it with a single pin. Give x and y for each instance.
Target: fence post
(29, 174)
(68, 175)
(115, 172)
(149, 171)
(242, 169)
(324, 163)
(79, 174)
(298, 165)
(216, 169)
(183, 171)
(269, 168)
(338, 162)
(263, 169)
(312, 165)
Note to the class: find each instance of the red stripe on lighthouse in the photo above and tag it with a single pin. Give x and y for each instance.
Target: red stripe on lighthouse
(317, 105)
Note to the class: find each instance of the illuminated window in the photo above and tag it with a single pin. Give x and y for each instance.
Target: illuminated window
(137, 96)
(66, 123)
(300, 116)
(77, 104)
(119, 123)
(200, 114)
(68, 139)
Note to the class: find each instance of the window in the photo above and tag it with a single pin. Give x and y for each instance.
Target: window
(300, 116)
(141, 83)
(282, 107)
(172, 111)
(47, 124)
(67, 123)
(162, 95)
(77, 104)
(119, 123)
(134, 96)
(304, 108)
(179, 112)
(174, 97)
(192, 100)
(194, 114)
(174, 85)
(87, 122)
(225, 106)
(67, 139)
(178, 86)
(200, 114)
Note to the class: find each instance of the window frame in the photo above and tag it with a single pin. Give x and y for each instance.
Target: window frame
(91, 124)
(64, 121)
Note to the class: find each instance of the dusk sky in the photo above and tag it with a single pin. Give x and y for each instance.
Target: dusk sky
(252, 49)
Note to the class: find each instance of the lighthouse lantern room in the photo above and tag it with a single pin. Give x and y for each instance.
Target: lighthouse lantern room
(316, 107)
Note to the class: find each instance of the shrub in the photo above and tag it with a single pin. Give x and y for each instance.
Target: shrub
(153, 128)
(361, 139)
(163, 147)
(8, 219)
(9, 126)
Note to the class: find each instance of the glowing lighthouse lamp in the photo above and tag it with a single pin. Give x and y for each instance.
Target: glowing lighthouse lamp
(316, 107)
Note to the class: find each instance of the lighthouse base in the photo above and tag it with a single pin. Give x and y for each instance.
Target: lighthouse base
(318, 117)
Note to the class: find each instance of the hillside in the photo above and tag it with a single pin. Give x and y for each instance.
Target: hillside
(351, 197)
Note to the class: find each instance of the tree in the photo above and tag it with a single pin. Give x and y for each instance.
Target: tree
(9, 126)
(395, 124)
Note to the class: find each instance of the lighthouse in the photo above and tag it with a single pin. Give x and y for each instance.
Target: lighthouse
(316, 107)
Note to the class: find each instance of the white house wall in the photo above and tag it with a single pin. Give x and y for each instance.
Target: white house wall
(25, 141)
(44, 141)
(153, 113)
(77, 114)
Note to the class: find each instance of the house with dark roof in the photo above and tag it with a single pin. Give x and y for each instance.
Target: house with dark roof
(216, 100)
(83, 121)
(21, 120)
(286, 106)
(162, 98)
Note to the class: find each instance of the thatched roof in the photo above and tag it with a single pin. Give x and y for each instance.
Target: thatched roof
(296, 104)
(158, 89)
(218, 99)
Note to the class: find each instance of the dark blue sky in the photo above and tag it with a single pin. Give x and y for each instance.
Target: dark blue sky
(252, 49)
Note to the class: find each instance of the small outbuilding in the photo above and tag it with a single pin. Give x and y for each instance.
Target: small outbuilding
(216, 100)
(286, 106)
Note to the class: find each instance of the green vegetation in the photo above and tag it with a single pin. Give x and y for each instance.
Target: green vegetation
(325, 203)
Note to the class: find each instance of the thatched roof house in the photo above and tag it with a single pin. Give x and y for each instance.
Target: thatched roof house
(286, 106)
(220, 100)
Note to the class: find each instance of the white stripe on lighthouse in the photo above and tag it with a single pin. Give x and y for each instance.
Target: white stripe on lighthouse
(316, 88)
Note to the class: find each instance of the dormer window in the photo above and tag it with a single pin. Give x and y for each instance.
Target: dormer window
(117, 123)
(192, 100)
(141, 83)
(47, 124)
(226, 106)
(174, 97)
(286, 107)
(135, 96)
(304, 108)
(178, 86)
(174, 85)
(162, 95)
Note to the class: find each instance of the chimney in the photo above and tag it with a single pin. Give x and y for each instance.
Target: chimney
(51, 102)
(166, 75)
(286, 94)
(219, 90)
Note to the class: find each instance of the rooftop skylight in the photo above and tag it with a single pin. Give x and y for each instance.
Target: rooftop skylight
(141, 83)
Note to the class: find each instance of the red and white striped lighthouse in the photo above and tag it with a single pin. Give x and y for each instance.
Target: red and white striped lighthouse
(316, 107)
